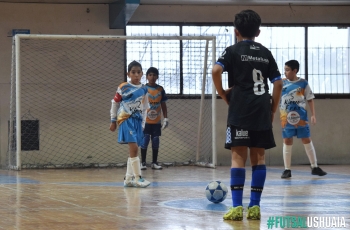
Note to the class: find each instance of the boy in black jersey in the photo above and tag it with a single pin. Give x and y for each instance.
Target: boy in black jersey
(249, 123)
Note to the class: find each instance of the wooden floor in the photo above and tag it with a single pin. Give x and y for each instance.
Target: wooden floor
(96, 199)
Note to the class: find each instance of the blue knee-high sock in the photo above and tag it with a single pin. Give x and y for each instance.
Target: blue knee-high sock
(237, 184)
(257, 185)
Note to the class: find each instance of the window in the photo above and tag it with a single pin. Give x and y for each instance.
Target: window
(165, 57)
(328, 54)
(224, 38)
(285, 43)
(323, 54)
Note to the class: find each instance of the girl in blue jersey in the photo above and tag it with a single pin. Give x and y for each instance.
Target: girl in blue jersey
(128, 111)
(296, 92)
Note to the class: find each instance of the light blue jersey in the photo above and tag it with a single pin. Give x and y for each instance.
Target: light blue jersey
(293, 112)
(132, 103)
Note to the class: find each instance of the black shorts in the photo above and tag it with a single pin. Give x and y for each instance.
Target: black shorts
(155, 130)
(236, 136)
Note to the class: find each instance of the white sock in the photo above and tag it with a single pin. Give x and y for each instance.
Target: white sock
(135, 165)
(311, 154)
(129, 173)
(287, 156)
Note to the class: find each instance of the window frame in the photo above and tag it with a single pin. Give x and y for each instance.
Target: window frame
(306, 53)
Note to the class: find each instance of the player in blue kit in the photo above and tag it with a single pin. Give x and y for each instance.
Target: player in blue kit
(249, 124)
(128, 110)
(296, 92)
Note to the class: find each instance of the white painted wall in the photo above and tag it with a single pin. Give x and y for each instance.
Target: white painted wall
(331, 135)
(215, 14)
(42, 19)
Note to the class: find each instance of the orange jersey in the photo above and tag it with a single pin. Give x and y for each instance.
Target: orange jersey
(156, 95)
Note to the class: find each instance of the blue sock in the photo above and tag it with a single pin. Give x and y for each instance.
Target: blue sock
(237, 184)
(257, 185)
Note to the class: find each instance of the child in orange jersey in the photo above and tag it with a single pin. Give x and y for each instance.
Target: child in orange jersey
(152, 130)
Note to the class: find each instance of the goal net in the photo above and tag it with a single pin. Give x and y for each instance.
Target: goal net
(61, 91)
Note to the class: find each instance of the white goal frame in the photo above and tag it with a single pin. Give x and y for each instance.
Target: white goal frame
(17, 45)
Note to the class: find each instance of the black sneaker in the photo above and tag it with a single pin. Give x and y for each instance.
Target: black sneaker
(286, 174)
(318, 171)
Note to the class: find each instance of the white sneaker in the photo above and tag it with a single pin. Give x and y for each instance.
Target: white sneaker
(142, 183)
(129, 182)
(156, 166)
(143, 166)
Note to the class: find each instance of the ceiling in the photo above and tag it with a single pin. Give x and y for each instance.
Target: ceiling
(194, 2)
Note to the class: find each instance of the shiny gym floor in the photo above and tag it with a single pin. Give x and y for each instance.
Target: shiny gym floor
(96, 199)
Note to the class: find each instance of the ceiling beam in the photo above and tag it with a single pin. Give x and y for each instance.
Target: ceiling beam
(120, 13)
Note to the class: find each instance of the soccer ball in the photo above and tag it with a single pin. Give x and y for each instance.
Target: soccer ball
(216, 191)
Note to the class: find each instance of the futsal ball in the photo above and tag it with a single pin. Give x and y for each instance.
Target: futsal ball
(216, 191)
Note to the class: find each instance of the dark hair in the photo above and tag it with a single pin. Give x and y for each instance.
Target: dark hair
(152, 70)
(132, 64)
(293, 64)
(247, 22)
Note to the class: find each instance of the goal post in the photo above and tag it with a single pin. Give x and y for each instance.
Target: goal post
(62, 85)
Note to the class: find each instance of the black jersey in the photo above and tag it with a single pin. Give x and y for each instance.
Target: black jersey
(249, 65)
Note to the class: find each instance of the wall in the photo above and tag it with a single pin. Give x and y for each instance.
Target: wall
(42, 19)
(330, 135)
(215, 14)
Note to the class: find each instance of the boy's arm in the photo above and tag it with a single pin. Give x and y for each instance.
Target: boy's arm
(312, 108)
(145, 106)
(165, 114)
(114, 108)
(217, 79)
(276, 97)
(164, 109)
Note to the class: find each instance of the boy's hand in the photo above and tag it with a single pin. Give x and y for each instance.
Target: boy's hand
(313, 120)
(226, 95)
(165, 123)
(113, 126)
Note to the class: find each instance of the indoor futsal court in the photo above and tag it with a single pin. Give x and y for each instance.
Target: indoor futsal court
(61, 62)
(96, 198)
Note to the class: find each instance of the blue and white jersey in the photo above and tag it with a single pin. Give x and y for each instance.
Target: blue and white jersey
(293, 112)
(133, 102)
